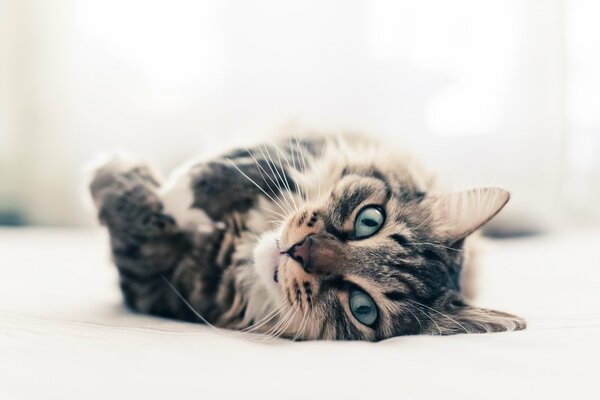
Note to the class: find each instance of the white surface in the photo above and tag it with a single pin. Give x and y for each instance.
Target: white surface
(64, 334)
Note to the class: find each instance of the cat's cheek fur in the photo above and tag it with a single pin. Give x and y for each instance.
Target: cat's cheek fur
(267, 259)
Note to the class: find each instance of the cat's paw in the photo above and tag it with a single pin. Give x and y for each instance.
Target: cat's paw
(118, 171)
(124, 192)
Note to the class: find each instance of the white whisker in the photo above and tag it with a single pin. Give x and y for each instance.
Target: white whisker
(304, 165)
(197, 314)
(256, 184)
(297, 169)
(284, 329)
(287, 184)
(282, 187)
(322, 156)
(436, 245)
(261, 174)
(271, 333)
(432, 320)
(417, 319)
(441, 313)
(302, 326)
(263, 321)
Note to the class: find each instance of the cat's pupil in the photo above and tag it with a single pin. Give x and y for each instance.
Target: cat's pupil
(369, 222)
(363, 310)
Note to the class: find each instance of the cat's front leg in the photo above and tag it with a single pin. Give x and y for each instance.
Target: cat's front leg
(157, 261)
(210, 191)
(125, 194)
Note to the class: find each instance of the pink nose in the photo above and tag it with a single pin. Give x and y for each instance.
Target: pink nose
(301, 252)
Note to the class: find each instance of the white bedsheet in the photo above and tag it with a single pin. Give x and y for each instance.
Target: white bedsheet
(64, 334)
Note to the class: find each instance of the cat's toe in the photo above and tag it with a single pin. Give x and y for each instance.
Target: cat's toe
(118, 173)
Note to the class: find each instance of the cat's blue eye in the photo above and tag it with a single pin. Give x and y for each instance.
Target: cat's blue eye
(368, 222)
(363, 307)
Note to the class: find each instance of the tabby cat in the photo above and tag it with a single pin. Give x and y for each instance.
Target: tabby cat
(338, 238)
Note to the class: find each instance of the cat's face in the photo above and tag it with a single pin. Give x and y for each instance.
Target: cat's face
(369, 261)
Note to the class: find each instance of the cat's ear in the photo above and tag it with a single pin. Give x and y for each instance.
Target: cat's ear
(460, 317)
(456, 215)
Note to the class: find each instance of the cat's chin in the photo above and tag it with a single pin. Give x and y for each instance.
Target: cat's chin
(267, 260)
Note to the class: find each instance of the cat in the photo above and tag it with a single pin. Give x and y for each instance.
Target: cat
(334, 238)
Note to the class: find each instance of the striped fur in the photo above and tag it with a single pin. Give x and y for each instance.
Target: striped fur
(223, 251)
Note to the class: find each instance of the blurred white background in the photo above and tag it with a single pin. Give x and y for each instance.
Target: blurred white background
(500, 92)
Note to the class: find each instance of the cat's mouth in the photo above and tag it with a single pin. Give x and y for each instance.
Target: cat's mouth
(279, 255)
(268, 260)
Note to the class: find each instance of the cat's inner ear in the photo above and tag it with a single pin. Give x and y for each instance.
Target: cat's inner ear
(456, 215)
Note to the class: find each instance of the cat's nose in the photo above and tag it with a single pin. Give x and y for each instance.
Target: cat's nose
(301, 251)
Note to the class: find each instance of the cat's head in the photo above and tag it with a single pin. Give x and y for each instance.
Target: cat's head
(375, 257)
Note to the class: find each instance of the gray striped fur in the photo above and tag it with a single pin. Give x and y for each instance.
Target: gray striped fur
(251, 202)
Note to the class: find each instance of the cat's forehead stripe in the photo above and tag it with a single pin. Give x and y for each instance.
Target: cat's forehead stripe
(355, 192)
